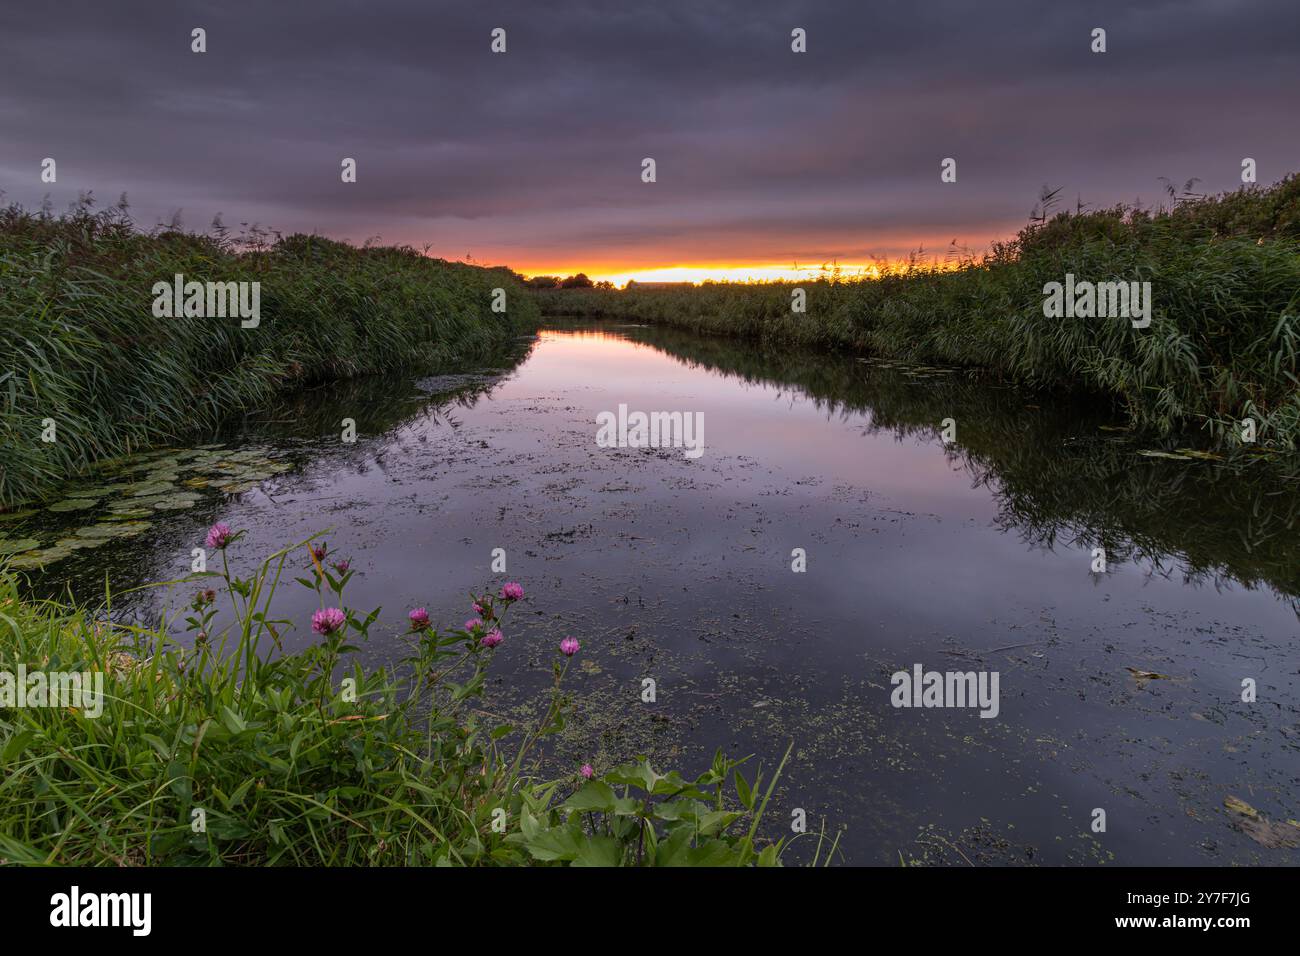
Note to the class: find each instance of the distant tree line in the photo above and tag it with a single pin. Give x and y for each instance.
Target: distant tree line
(579, 281)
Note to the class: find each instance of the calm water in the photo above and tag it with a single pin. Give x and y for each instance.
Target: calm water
(974, 556)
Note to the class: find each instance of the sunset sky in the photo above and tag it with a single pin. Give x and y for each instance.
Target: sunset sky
(532, 158)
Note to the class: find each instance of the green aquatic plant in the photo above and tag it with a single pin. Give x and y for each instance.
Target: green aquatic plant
(118, 508)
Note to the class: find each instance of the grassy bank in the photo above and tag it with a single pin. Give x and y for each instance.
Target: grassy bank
(215, 751)
(84, 350)
(1223, 344)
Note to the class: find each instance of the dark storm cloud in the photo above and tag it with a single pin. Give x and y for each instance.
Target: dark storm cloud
(534, 157)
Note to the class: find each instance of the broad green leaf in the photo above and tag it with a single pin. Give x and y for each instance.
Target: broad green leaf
(595, 796)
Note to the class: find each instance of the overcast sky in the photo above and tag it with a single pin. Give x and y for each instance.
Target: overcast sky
(532, 158)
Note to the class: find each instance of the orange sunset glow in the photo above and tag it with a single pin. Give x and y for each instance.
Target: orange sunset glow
(895, 252)
(723, 272)
(731, 273)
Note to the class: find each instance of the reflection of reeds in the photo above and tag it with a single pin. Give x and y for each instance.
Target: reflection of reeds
(1056, 476)
(1224, 343)
(84, 348)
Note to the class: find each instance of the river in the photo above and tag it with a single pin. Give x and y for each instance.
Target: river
(1119, 691)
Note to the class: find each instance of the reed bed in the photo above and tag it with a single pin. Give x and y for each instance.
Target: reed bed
(83, 349)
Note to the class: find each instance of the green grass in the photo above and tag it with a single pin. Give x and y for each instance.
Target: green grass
(83, 348)
(1223, 344)
(216, 751)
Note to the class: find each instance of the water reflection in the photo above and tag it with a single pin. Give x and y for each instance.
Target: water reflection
(1057, 474)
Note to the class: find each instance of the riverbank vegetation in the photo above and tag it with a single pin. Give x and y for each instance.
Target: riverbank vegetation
(218, 750)
(1223, 344)
(92, 373)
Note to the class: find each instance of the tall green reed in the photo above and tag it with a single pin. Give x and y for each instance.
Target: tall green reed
(84, 349)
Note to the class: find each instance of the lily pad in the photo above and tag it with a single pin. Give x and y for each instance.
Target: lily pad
(77, 544)
(91, 492)
(102, 530)
(127, 514)
(135, 527)
(113, 529)
(154, 488)
(27, 560)
(72, 504)
(16, 545)
(18, 515)
(176, 502)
